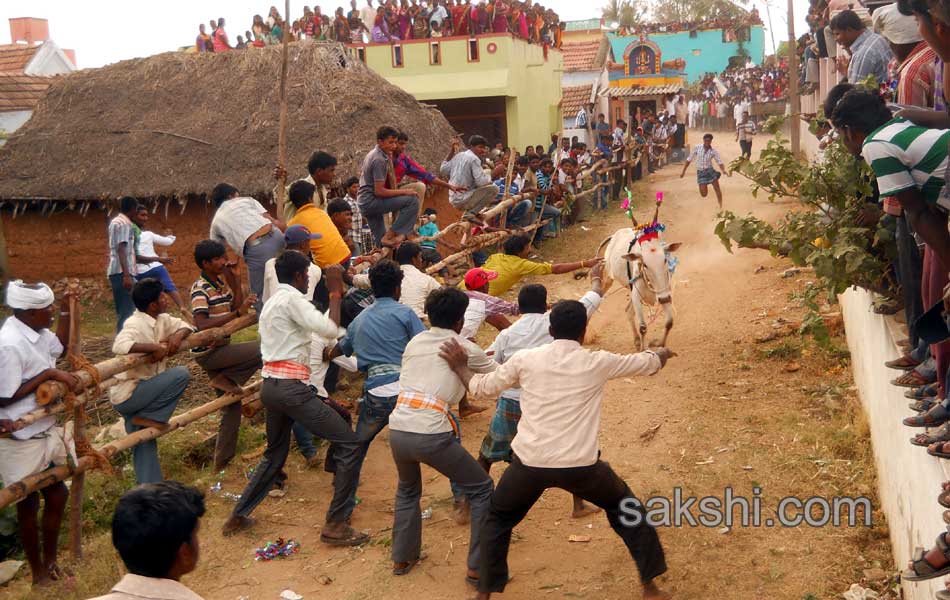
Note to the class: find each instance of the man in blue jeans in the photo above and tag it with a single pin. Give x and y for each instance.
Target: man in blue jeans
(378, 336)
(146, 396)
(122, 260)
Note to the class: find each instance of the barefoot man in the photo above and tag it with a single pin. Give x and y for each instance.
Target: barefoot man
(705, 155)
(28, 353)
(533, 329)
(562, 386)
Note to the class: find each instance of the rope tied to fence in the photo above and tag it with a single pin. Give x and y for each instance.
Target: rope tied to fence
(84, 448)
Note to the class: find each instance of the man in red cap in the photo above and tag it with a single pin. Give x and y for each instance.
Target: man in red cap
(482, 306)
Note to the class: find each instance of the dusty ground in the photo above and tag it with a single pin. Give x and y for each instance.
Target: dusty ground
(729, 412)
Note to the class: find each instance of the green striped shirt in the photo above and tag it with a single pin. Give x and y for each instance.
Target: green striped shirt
(905, 156)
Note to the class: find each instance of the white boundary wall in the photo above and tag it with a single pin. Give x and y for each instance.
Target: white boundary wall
(908, 478)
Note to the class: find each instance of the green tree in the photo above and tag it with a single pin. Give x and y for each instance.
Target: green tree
(669, 11)
(627, 14)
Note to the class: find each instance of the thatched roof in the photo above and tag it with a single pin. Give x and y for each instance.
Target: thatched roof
(176, 124)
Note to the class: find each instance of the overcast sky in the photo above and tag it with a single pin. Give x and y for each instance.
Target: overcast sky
(106, 31)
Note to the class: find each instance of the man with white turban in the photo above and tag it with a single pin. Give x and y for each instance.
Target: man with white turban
(28, 353)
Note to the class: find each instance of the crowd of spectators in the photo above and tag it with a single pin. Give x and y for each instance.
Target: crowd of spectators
(727, 25)
(392, 21)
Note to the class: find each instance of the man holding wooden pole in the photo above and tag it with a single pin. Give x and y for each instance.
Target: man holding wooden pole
(147, 395)
(28, 353)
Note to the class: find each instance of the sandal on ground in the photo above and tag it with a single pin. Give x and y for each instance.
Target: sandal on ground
(904, 363)
(350, 537)
(937, 415)
(921, 570)
(911, 379)
(404, 568)
(924, 391)
(938, 435)
(938, 449)
(922, 406)
(944, 499)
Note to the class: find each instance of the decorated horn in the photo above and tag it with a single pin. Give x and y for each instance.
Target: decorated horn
(627, 205)
(659, 201)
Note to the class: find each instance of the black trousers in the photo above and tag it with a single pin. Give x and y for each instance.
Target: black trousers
(521, 486)
(286, 401)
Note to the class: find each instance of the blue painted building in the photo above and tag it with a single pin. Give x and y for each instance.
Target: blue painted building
(703, 51)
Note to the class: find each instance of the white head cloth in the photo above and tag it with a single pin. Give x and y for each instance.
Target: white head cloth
(25, 296)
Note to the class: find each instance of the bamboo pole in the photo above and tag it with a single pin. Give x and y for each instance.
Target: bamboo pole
(795, 106)
(479, 242)
(54, 409)
(21, 489)
(507, 192)
(51, 391)
(282, 127)
(79, 430)
(432, 238)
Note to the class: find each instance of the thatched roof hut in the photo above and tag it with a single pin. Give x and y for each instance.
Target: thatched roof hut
(175, 124)
(166, 129)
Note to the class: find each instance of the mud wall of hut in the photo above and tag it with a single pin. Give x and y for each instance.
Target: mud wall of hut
(49, 247)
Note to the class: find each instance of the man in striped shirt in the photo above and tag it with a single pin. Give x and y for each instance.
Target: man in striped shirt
(909, 162)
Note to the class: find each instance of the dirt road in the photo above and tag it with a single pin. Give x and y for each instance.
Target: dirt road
(727, 413)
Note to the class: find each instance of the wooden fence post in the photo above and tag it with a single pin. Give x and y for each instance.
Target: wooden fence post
(79, 428)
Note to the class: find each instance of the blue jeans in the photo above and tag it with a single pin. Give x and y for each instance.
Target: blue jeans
(122, 299)
(602, 193)
(549, 212)
(374, 416)
(304, 440)
(155, 399)
(519, 213)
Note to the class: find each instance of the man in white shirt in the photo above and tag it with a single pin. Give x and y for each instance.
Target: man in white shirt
(562, 387)
(155, 267)
(155, 530)
(298, 238)
(368, 15)
(287, 325)
(247, 228)
(416, 284)
(424, 430)
(532, 330)
(146, 396)
(28, 353)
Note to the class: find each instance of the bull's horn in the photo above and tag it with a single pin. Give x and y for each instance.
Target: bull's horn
(656, 214)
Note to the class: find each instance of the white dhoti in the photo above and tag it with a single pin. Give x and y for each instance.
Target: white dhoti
(21, 458)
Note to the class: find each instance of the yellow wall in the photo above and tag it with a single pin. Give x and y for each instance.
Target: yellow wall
(516, 70)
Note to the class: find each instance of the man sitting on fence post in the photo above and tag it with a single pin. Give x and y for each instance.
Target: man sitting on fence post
(155, 530)
(464, 171)
(147, 395)
(28, 353)
(378, 194)
(217, 298)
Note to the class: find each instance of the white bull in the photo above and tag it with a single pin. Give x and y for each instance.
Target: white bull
(644, 267)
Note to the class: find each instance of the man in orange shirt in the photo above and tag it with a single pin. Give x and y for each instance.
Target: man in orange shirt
(330, 249)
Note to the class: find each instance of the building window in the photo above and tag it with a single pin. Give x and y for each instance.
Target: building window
(435, 53)
(693, 34)
(397, 56)
(744, 34)
(361, 54)
(473, 50)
